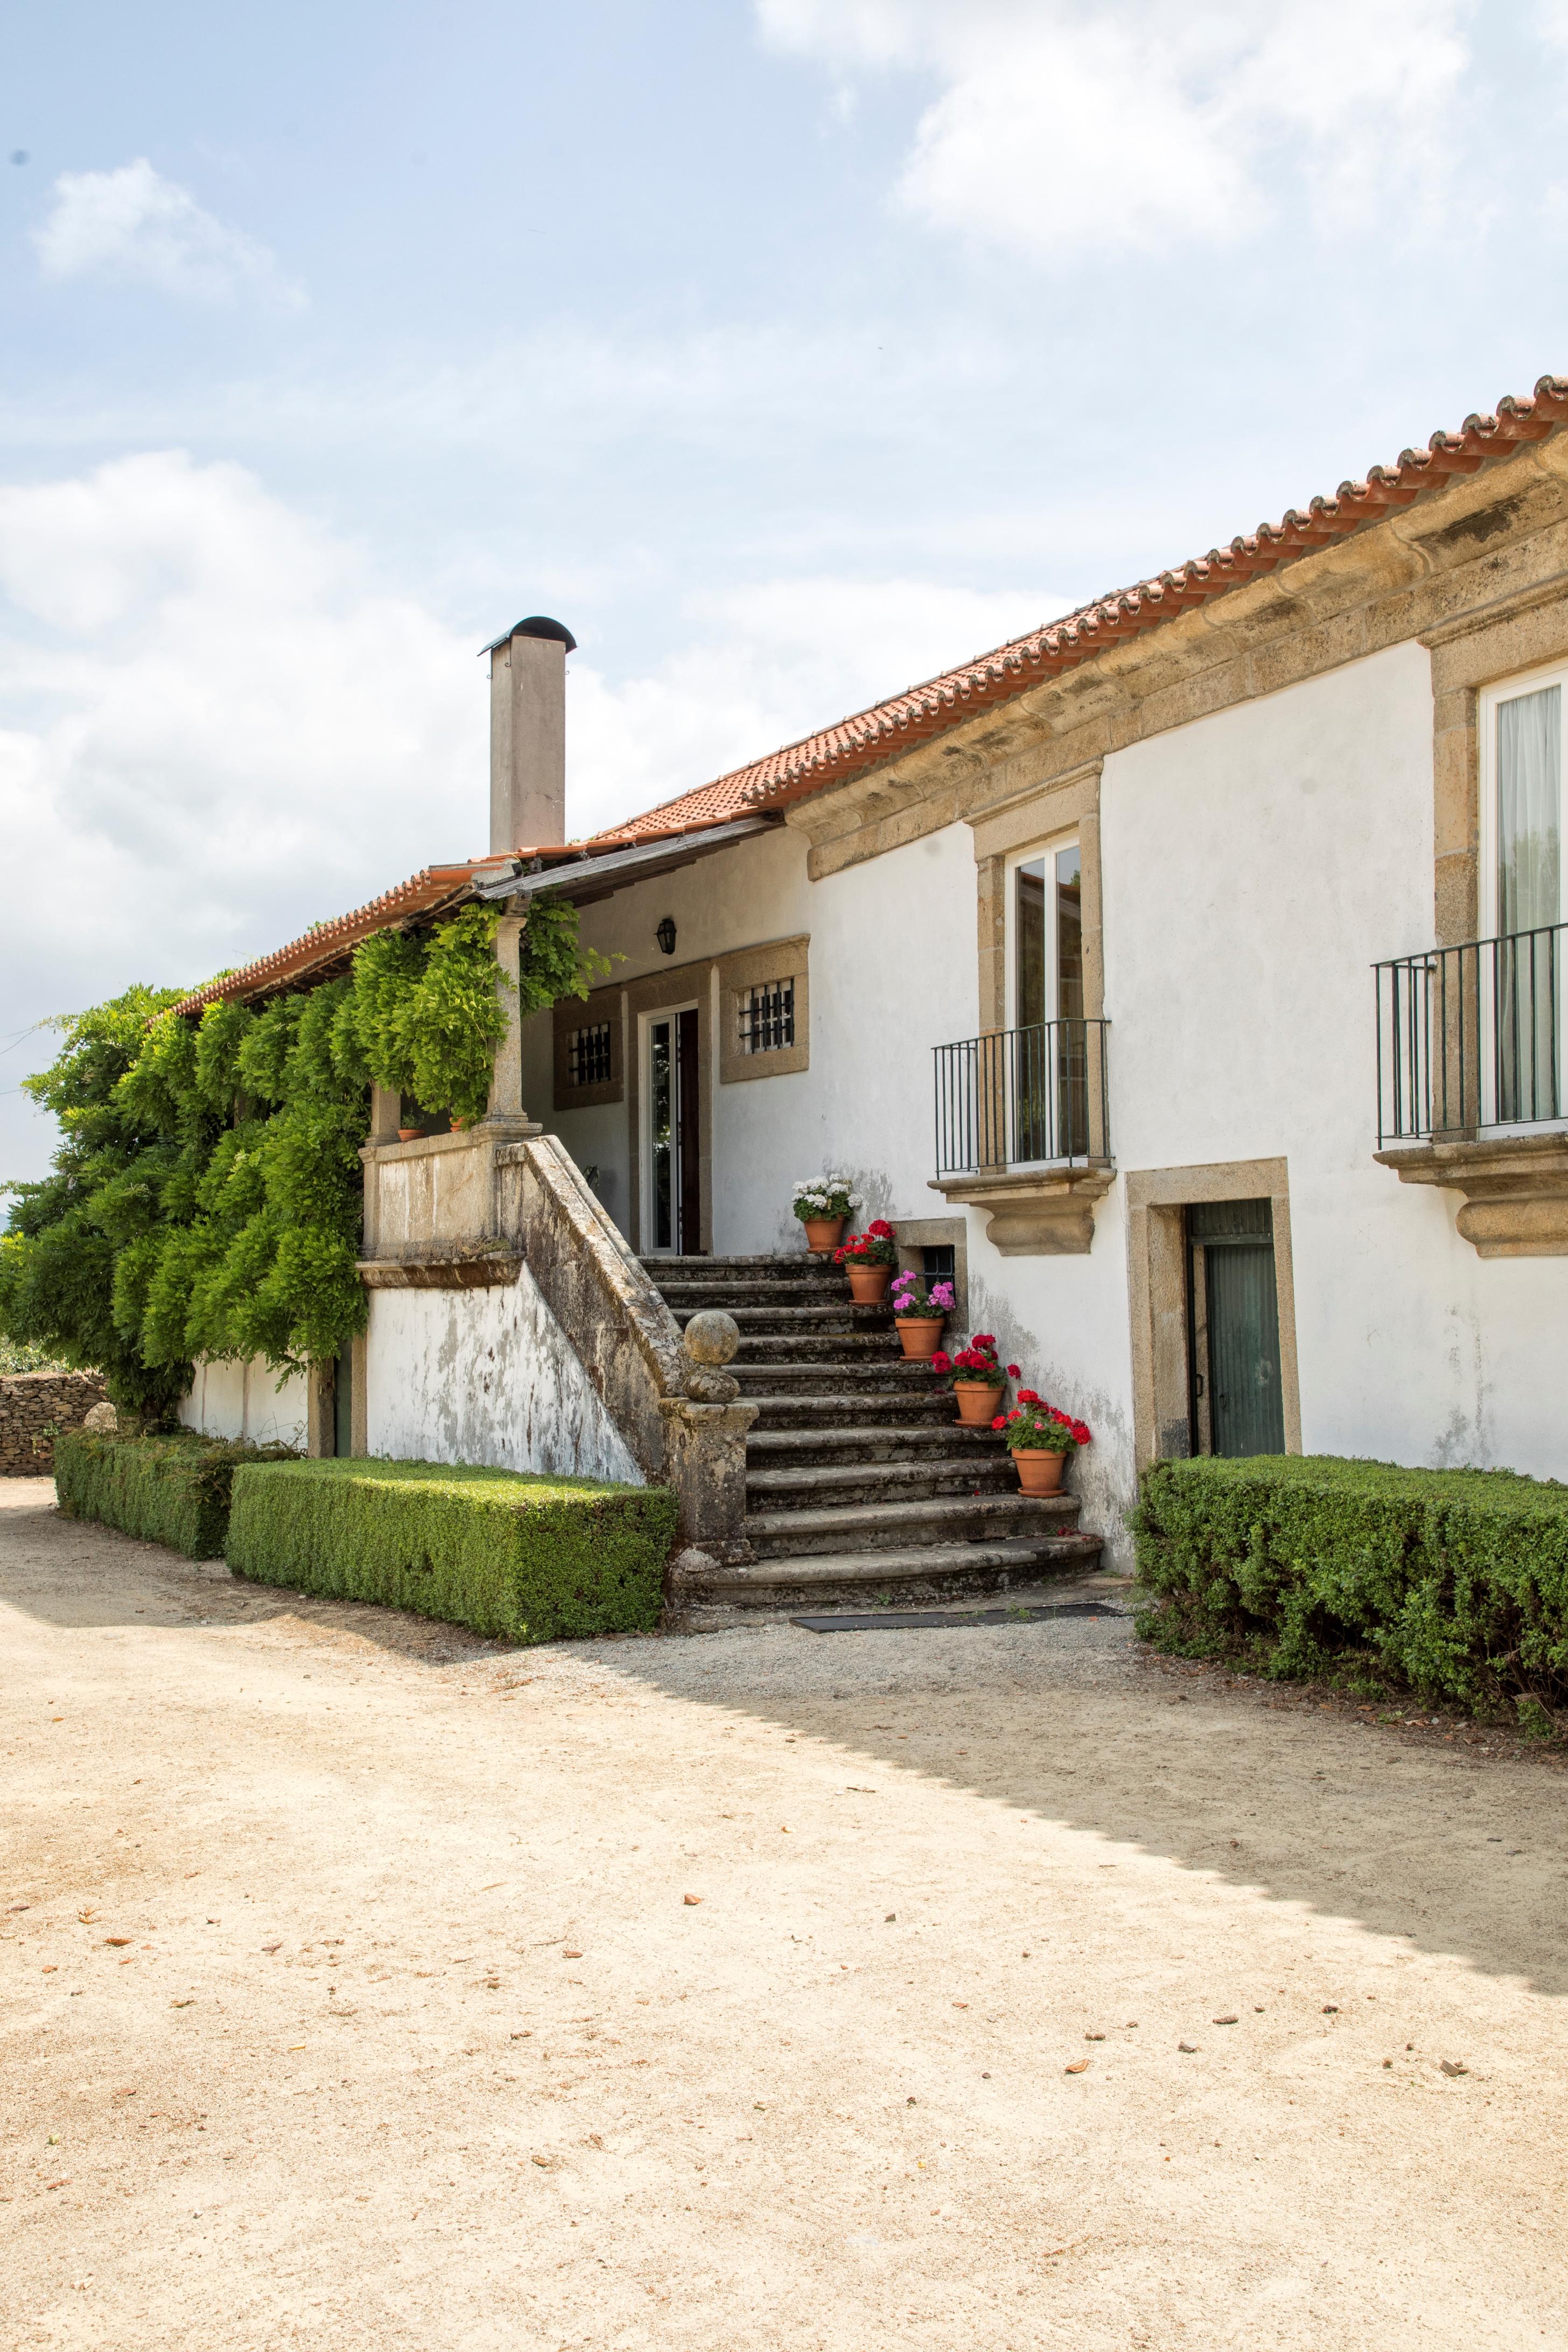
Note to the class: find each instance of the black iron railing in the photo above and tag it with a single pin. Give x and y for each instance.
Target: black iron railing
(1022, 1095)
(1470, 1037)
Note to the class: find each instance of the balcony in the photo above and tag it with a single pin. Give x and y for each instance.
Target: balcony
(1470, 1085)
(1023, 1131)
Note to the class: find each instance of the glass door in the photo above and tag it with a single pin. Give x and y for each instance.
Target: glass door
(1051, 1078)
(674, 1148)
(1527, 835)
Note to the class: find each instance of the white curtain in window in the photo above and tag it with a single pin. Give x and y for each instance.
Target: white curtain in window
(1529, 798)
(1528, 766)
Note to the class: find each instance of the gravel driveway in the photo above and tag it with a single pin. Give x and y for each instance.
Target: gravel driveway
(367, 1985)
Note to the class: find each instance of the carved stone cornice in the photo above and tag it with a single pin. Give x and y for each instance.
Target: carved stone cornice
(1034, 1212)
(482, 1269)
(1515, 1188)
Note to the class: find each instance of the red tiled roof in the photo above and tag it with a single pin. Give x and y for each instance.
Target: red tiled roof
(836, 754)
(432, 886)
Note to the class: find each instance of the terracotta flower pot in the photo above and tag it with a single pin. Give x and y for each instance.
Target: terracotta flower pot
(978, 1403)
(1039, 1472)
(869, 1284)
(921, 1334)
(822, 1234)
(409, 1134)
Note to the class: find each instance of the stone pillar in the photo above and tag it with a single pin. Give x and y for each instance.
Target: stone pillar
(506, 1114)
(705, 1440)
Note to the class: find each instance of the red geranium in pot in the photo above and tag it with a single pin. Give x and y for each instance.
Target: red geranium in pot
(976, 1378)
(868, 1260)
(1040, 1436)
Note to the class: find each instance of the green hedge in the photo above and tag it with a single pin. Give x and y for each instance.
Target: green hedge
(531, 1558)
(1452, 1582)
(172, 1490)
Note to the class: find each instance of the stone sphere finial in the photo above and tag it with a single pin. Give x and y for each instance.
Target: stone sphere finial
(713, 1337)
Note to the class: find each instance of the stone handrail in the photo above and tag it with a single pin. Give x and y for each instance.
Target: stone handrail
(673, 1404)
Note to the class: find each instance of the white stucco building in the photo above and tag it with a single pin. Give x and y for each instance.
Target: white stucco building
(1183, 976)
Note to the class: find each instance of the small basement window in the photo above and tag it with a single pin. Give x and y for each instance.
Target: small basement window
(588, 1055)
(767, 1017)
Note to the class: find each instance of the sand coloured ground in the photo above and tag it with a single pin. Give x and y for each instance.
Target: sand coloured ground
(367, 1985)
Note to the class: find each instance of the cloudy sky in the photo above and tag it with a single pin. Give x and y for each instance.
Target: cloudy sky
(788, 350)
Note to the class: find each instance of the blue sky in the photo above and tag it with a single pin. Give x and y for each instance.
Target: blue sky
(787, 351)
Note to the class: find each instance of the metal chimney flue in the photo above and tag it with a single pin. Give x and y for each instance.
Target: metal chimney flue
(528, 734)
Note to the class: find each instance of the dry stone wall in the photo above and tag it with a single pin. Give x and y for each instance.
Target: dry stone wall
(35, 1409)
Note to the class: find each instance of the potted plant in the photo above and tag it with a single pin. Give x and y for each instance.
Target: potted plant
(921, 1309)
(976, 1378)
(868, 1260)
(1039, 1437)
(823, 1204)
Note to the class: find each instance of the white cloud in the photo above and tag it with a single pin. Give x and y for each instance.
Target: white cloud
(1066, 128)
(216, 726)
(763, 667)
(134, 224)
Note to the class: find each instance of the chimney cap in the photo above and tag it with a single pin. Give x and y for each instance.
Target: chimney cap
(538, 624)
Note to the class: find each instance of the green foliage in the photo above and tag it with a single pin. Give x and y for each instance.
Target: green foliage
(25, 1356)
(529, 1559)
(1450, 1582)
(168, 1490)
(206, 1197)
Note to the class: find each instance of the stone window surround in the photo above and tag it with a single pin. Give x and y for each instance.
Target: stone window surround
(915, 1233)
(1042, 816)
(752, 967)
(571, 1013)
(1157, 1295)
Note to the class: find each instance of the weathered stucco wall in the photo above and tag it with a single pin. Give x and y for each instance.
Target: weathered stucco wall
(485, 1376)
(1254, 864)
(245, 1401)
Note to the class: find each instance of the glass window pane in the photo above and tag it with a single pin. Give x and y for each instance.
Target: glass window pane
(1528, 766)
(1029, 944)
(662, 1134)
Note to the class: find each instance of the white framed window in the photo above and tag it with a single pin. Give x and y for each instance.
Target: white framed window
(1042, 1078)
(1044, 935)
(1517, 981)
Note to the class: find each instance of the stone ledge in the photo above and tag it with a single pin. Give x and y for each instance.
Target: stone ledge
(1515, 1188)
(456, 1270)
(1034, 1212)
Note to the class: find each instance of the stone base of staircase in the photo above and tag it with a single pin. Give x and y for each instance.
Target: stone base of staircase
(883, 1579)
(862, 1491)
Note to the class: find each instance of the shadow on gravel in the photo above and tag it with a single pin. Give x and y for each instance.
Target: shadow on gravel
(1068, 1720)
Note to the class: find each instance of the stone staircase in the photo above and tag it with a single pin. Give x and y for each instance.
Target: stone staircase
(861, 1487)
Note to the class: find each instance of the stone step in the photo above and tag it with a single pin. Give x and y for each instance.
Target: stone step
(779, 1267)
(832, 1409)
(895, 1527)
(818, 1347)
(890, 1579)
(837, 1314)
(689, 1298)
(796, 1376)
(805, 1487)
(862, 1441)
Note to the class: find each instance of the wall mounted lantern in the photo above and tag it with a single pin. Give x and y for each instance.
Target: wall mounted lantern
(665, 935)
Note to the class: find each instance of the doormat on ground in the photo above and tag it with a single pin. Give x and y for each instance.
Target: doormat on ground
(895, 1620)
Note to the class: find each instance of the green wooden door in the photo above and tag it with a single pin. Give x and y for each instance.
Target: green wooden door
(1241, 1320)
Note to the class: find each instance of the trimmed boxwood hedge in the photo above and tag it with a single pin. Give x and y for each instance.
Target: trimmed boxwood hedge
(1451, 1583)
(172, 1490)
(528, 1558)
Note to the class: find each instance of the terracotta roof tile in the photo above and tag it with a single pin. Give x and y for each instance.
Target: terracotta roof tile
(862, 741)
(836, 754)
(422, 894)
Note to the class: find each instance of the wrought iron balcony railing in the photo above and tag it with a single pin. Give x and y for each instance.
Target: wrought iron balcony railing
(1023, 1096)
(1470, 1037)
